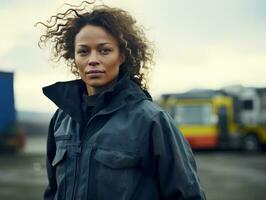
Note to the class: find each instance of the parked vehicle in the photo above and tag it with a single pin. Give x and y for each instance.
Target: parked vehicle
(11, 136)
(232, 117)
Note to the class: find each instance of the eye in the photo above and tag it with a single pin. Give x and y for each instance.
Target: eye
(105, 51)
(82, 52)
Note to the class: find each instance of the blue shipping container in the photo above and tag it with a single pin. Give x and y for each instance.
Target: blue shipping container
(7, 102)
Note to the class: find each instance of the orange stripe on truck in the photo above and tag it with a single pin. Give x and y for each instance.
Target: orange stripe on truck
(203, 142)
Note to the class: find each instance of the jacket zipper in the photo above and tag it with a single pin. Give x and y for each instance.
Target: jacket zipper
(86, 129)
(77, 162)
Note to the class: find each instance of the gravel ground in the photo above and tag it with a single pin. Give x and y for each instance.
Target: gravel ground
(224, 175)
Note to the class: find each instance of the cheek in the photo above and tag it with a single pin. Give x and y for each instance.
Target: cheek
(78, 64)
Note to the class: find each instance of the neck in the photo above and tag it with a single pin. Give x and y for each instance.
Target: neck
(96, 90)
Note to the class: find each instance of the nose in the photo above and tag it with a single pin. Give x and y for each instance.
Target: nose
(93, 60)
(93, 63)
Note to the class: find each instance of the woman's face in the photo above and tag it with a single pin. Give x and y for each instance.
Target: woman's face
(97, 57)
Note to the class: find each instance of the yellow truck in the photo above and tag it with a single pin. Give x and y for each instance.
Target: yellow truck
(226, 118)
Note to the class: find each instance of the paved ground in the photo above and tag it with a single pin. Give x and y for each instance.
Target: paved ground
(224, 175)
(232, 176)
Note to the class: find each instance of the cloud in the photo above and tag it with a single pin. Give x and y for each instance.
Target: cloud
(17, 22)
(203, 43)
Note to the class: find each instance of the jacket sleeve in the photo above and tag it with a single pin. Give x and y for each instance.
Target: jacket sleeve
(50, 190)
(175, 167)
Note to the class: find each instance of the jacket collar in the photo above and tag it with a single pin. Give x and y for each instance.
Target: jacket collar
(68, 96)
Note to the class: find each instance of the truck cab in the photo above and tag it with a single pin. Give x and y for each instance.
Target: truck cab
(205, 117)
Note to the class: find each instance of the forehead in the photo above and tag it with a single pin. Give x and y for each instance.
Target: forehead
(90, 34)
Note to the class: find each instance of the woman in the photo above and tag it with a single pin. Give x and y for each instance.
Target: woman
(108, 140)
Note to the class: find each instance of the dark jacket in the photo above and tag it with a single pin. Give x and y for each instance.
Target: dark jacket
(130, 148)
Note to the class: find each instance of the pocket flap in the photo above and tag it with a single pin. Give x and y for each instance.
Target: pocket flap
(63, 137)
(116, 159)
(60, 153)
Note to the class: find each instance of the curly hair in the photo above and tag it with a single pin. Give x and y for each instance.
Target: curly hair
(62, 28)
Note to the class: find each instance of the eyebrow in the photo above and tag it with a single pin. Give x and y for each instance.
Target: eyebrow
(100, 44)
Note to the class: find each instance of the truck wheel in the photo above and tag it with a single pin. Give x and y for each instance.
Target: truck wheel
(251, 144)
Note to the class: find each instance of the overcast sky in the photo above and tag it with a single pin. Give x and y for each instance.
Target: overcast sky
(199, 44)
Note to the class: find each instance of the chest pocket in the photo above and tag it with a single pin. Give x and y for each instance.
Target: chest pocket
(60, 163)
(114, 171)
(61, 148)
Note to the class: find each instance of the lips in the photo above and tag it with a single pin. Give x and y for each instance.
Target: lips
(94, 71)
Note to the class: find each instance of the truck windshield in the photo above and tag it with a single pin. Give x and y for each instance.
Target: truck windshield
(193, 114)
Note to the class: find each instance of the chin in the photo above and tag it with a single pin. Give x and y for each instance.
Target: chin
(96, 83)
